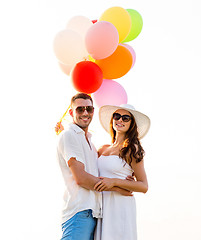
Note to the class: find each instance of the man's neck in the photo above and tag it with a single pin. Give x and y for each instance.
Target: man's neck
(84, 129)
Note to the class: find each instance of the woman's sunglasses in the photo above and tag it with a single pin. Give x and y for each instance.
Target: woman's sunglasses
(81, 109)
(125, 118)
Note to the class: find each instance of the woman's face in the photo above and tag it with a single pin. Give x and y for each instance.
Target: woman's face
(121, 123)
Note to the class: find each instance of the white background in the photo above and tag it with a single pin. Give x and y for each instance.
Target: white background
(164, 84)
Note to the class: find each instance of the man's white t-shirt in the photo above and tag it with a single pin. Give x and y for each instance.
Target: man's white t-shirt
(72, 143)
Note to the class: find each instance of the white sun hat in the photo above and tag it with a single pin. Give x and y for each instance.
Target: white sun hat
(142, 121)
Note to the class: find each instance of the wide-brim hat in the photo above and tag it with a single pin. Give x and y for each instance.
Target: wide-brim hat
(142, 121)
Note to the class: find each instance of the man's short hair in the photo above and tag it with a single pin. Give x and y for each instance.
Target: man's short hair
(80, 95)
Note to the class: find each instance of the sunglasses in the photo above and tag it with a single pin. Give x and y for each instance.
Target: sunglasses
(125, 118)
(81, 109)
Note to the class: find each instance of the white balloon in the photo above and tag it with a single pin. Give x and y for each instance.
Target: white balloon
(66, 68)
(69, 47)
(79, 24)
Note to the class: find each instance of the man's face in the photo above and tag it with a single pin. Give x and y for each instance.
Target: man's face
(82, 118)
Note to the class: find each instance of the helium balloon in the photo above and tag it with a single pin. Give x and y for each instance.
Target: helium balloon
(110, 93)
(69, 47)
(79, 24)
(131, 51)
(66, 68)
(136, 25)
(120, 18)
(101, 40)
(86, 77)
(116, 65)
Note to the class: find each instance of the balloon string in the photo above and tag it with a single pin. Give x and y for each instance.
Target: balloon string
(61, 119)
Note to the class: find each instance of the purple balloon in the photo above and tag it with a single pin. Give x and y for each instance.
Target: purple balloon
(131, 51)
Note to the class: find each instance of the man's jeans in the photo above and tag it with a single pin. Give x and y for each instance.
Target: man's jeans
(80, 227)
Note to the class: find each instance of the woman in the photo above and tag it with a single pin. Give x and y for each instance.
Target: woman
(116, 161)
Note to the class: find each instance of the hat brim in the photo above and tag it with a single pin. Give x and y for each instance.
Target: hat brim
(142, 121)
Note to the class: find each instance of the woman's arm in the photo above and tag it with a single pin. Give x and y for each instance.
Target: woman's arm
(140, 185)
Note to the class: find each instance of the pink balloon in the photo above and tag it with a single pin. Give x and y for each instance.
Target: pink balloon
(131, 51)
(110, 93)
(101, 39)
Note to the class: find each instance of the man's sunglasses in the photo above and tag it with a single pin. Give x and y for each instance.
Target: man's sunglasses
(81, 109)
(125, 118)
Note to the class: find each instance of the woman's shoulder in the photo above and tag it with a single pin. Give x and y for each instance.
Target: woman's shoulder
(102, 149)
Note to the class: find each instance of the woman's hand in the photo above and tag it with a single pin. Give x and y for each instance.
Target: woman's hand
(105, 184)
(108, 184)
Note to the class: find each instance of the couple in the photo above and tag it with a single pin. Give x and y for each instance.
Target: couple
(100, 185)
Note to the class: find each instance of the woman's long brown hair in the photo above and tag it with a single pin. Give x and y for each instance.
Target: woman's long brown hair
(129, 151)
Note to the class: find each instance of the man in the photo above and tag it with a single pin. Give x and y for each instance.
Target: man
(77, 157)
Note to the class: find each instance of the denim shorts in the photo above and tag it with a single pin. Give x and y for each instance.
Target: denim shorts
(80, 227)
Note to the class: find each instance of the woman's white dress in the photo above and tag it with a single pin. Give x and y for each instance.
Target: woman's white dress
(119, 212)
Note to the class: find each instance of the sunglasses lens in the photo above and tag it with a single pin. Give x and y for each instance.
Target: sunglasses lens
(90, 109)
(80, 109)
(116, 116)
(126, 118)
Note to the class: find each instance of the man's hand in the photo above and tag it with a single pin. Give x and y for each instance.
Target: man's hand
(130, 178)
(59, 128)
(105, 184)
(122, 191)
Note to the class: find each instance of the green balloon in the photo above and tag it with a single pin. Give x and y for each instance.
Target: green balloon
(136, 25)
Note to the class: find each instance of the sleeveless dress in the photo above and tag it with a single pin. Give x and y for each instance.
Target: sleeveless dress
(119, 212)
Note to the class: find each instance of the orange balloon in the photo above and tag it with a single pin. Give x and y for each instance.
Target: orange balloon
(117, 64)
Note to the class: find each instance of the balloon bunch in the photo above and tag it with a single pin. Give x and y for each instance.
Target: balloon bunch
(94, 53)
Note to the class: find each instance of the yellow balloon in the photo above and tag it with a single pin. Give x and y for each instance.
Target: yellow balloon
(120, 18)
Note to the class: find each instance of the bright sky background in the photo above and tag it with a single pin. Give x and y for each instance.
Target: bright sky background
(164, 84)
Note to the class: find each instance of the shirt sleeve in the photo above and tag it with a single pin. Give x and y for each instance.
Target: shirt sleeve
(69, 146)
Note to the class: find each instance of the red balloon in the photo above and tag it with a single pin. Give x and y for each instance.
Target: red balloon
(94, 21)
(87, 77)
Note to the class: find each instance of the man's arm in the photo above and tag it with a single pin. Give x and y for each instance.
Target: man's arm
(88, 181)
(82, 178)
